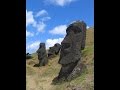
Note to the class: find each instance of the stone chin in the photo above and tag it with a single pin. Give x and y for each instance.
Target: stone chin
(69, 58)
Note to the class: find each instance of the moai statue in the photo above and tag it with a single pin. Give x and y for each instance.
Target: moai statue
(84, 34)
(42, 55)
(51, 52)
(57, 47)
(28, 56)
(70, 55)
(83, 26)
(54, 50)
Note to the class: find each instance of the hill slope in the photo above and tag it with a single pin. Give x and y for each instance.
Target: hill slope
(41, 78)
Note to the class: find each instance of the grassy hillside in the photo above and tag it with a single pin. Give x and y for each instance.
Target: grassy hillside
(41, 78)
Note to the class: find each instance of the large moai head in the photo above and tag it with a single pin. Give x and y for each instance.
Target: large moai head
(71, 45)
(70, 55)
(83, 26)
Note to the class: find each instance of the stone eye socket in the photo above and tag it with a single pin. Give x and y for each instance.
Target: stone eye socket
(40, 46)
(74, 30)
(77, 30)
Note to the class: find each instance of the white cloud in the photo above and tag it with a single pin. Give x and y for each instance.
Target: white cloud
(42, 13)
(33, 46)
(51, 42)
(29, 18)
(40, 26)
(29, 34)
(60, 30)
(46, 18)
(59, 2)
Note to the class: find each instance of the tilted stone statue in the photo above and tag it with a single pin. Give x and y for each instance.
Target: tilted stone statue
(57, 47)
(83, 26)
(54, 50)
(42, 55)
(51, 51)
(70, 54)
(84, 34)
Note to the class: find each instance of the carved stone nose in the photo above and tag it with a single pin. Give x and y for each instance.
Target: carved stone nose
(66, 40)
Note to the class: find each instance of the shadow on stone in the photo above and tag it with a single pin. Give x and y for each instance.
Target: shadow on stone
(53, 51)
(80, 68)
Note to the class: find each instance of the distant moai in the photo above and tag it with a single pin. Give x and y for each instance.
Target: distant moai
(42, 55)
(54, 50)
(70, 55)
(57, 47)
(28, 56)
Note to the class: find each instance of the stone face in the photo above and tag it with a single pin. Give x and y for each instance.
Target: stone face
(71, 45)
(71, 48)
(42, 55)
(57, 47)
(54, 50)
(83, 26)
(51, 51)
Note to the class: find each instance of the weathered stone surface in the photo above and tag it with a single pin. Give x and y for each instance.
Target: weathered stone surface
(82, 25)
(54, 50)
(84, 35)
(57, 48)
(70, 54)
(76, 71)
(51, 52)
(42, 55)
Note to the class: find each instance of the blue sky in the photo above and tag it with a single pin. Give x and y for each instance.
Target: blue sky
(47, 20)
